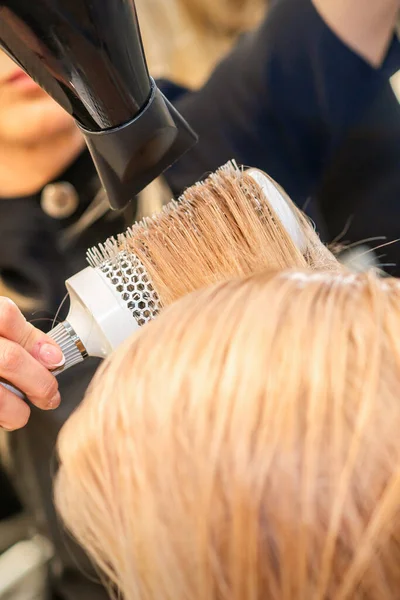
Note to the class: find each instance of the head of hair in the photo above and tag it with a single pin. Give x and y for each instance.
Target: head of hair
(245, 444)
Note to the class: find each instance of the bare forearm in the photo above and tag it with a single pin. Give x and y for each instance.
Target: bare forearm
(365, 25)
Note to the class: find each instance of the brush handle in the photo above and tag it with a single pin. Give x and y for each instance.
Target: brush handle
(66, 339)
(13, 389)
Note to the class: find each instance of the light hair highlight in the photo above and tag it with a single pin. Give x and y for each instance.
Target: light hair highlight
(245, 445)
(224, 227)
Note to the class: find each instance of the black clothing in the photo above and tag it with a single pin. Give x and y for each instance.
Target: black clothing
(295, 101)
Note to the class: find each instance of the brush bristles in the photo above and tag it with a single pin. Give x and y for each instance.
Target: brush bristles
(221, 228)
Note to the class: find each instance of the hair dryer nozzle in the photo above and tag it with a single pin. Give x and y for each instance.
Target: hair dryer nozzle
(131, 156)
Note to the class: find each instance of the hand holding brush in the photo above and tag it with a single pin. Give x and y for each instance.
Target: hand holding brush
(27, 357)
(233, 224)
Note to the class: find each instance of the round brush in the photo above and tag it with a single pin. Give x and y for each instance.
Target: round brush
(233, 224)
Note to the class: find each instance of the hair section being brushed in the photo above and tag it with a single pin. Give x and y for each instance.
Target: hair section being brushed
(245, 444)
(227, 226)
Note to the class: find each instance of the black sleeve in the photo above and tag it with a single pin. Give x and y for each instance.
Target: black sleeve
(283, 101)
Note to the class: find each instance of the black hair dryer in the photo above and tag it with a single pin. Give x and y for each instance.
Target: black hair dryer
(88, 55)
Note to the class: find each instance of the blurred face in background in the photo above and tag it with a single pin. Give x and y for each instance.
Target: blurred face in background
(27, 114)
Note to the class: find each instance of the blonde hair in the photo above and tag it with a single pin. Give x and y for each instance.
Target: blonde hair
(245, 444)
(228, 226)
(184, 39)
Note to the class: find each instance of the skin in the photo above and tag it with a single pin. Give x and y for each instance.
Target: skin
(366, 26)
(38, 140)
(26, 355)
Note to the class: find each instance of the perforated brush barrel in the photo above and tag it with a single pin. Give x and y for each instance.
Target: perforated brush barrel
(109, 302)
(128, 277)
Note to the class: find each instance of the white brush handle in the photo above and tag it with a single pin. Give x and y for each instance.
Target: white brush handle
(98, 314)
(98, 321)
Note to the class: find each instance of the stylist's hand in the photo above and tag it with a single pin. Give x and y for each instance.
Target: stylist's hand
(26, 355)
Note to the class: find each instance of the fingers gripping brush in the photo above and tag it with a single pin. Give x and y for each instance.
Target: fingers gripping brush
(233, 224)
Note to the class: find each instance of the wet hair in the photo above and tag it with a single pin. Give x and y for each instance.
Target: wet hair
(245, 444)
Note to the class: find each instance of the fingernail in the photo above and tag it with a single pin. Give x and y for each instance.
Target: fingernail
(54, 402)
(51, 356)
(7, 428)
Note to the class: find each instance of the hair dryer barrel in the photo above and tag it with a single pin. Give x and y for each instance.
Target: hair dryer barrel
(88, 55)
